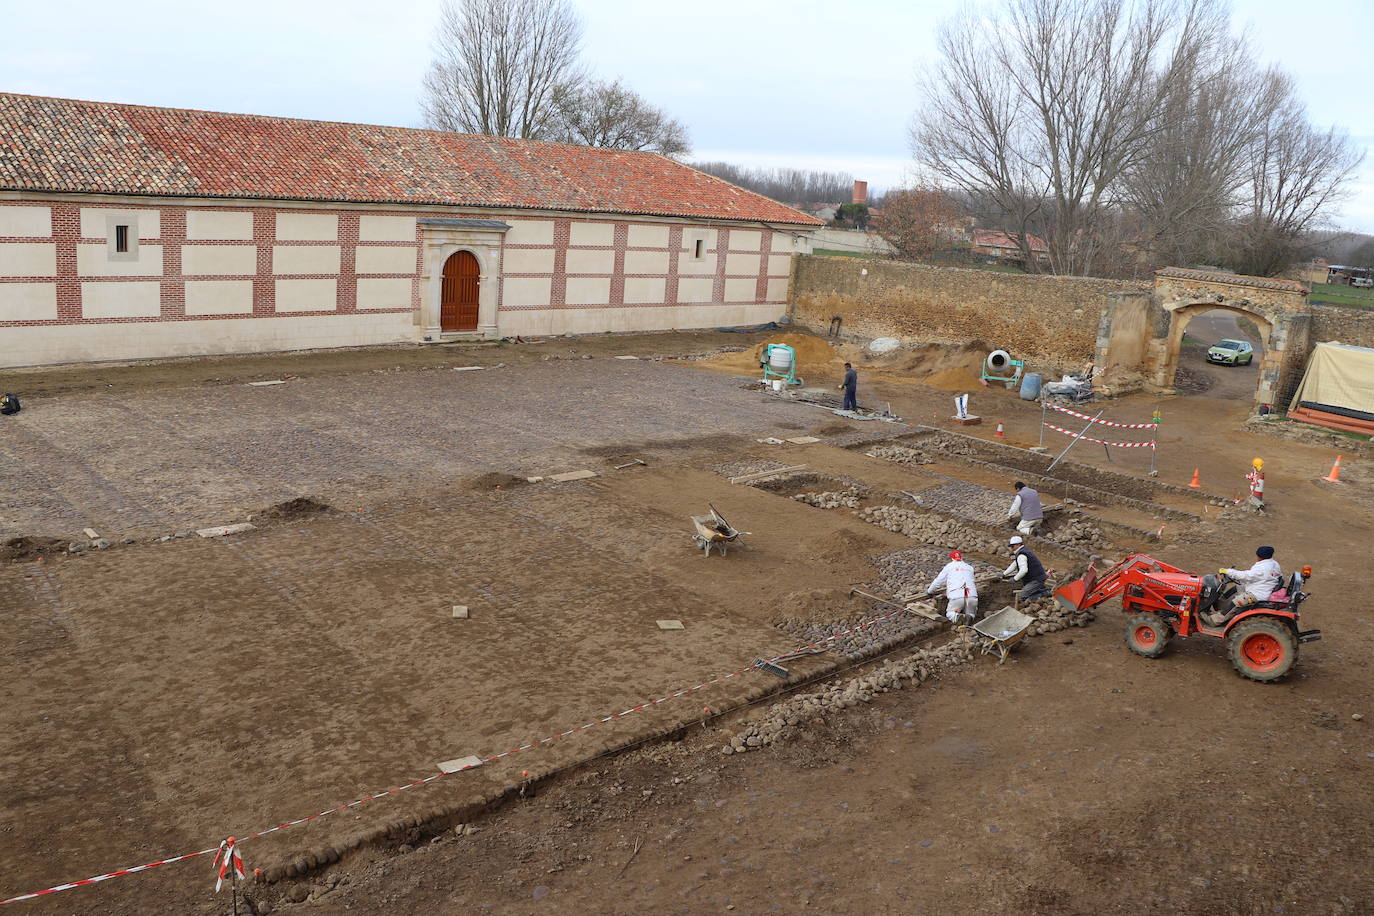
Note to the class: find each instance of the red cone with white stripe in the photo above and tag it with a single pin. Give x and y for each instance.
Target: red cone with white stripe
(1000, 433)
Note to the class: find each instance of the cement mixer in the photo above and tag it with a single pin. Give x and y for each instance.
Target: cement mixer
(779, 361)
(1000, 367)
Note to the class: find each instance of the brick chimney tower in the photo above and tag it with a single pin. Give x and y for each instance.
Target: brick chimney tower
(860, 192)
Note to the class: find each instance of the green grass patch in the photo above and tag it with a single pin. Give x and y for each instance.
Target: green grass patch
(1336, 294)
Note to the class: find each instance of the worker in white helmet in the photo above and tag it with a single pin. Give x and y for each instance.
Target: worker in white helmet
(956, 578)
(1025, 570)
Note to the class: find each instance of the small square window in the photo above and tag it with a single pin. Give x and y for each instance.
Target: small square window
(121, 238)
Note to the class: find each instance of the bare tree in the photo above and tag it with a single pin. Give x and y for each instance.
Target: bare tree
(498, 64)
(788, 186)
(1293, 173)
(919, 222)
(610, 114)
(1045, 108)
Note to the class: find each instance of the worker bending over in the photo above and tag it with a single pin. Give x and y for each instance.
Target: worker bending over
(1025, 570)
(957, 580)
(1027, 505)
(1259, 581)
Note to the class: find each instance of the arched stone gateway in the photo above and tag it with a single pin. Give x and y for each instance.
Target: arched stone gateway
(1139, 334)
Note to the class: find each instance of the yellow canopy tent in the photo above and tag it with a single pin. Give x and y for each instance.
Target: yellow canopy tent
(1337, 391)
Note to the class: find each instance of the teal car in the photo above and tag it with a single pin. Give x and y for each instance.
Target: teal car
(1231, 353)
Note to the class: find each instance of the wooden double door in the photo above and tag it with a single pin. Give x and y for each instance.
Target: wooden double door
(458, 298)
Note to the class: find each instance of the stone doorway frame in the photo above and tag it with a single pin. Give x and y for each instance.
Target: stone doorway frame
(1279, 309)
(442, 238)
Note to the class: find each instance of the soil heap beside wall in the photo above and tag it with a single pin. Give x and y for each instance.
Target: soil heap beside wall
(1048, 317)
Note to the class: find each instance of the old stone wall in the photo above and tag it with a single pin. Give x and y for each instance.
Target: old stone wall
(1053, 318)
(1344, 324)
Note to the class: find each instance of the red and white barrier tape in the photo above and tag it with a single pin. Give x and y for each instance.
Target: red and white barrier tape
(1083, 416)
(230, 845)
(1076, 435)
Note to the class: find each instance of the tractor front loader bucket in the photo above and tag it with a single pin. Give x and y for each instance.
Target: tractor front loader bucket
(1070, 596)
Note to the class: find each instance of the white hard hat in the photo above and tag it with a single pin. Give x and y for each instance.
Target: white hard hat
(1016, 539)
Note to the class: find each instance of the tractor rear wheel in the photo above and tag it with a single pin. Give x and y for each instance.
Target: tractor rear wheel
(1262, 648)
(1147, 634)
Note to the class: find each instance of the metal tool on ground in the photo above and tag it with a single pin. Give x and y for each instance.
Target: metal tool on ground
(919, 608)
(1001, 631)
(714, 531)
(1000, 367)
(1162, 601)
(631, 463)
(779, 361)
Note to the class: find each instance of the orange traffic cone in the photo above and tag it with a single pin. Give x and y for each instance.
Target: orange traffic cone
(1000, 433)
(1335, 475)
(1195, 485)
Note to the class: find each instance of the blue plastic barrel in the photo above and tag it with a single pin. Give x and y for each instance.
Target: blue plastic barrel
(1030, 386)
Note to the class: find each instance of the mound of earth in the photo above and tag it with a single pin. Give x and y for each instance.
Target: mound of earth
(942, 366)
(28, 547)
(495, 479)
(292, 509)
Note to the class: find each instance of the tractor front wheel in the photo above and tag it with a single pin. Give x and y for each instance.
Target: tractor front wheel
(1147, 634)
(1262, 648)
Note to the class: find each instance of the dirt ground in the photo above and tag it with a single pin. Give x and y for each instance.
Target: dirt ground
(165, 693)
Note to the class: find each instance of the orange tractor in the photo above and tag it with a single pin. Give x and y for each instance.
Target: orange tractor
(1162, 601)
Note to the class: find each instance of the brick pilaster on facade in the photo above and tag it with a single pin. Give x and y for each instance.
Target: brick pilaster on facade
(722, 254)
(347, 290)
(173, 220)
(674, 255)
(264, 287)
(765, 260)
(66, 230)
(620, 240)
(558, 286)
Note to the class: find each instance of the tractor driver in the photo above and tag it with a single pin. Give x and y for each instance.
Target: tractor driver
(1259, 581)
(1256, 584)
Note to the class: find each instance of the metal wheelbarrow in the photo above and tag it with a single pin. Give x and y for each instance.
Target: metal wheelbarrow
(1000, 632)
(714, 531)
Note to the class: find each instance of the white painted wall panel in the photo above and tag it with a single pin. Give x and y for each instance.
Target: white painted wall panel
(530, 232)
(27, 302)
(692, 289)
(140, 299)
(646, 262)
(779, 265)
(307, 227)
(741, 290)
(307, 295)
(219, 297)
(375, 259)
(742, 264)
(219, 225)
(777, 290)
(26, 221)
(525, 291)
(644, 289)
(96, 222)
(222, 260)
(384, 293)
(648, 237)
(591, 234)
(96, 261)
(376, 228)
(590, 262)
(745, 240)
(305, 259)
(588, 290)
(28, 259)
(527, 261)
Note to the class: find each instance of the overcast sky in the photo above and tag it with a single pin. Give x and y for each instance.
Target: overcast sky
(797, 83)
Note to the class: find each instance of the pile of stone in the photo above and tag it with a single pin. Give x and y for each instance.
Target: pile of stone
(743, 466)
(783, 719)
(930, 529)
(1050, 617)
(901, 454)
(1080, 533)
(847, 499)
(980, 504)
(880, 636)
(910, 570)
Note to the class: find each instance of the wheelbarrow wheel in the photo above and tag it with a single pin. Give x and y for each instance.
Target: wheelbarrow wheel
(1147, 635)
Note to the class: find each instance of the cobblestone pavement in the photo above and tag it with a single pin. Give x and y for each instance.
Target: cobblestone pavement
(151, 461)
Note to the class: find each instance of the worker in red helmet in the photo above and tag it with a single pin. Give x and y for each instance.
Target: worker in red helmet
(956, 578)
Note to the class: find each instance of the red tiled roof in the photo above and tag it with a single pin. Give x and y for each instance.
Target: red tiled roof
(64, 145)
(994, 238)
